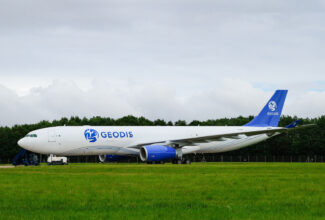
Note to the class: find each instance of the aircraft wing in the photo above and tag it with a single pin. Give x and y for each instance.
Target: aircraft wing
(193, 141)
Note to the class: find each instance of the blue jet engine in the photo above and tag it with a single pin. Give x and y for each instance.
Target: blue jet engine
(157, 153)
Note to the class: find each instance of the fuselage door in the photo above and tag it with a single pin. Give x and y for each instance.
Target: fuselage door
(51, 135)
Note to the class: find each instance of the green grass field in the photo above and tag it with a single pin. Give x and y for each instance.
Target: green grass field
(134, 191)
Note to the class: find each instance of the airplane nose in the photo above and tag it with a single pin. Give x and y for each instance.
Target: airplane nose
(22, 143)
(28, 144)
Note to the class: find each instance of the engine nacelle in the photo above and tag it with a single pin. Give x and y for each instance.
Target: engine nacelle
(111, 158)
(158, 153)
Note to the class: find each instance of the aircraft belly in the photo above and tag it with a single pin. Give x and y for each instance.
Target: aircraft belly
(91, 150)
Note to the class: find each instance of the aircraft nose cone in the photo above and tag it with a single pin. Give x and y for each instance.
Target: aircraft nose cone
(22, 143)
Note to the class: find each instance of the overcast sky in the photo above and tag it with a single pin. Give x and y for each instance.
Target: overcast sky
(167, 59)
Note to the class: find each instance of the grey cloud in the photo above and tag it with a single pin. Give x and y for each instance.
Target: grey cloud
(181, 51)
(231, 98)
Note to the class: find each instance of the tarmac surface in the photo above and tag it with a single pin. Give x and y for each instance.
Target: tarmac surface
(5, 167)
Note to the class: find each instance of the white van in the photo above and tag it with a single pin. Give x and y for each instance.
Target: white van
(54, 160)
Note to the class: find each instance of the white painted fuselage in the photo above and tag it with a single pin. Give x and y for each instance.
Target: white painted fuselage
(72, 140)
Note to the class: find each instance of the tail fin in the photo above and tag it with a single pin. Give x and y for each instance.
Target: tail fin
(271, 113)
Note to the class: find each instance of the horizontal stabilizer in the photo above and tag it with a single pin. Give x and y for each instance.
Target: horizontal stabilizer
(293, 124)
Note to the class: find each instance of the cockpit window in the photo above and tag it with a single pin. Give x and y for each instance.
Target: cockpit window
(31, 135)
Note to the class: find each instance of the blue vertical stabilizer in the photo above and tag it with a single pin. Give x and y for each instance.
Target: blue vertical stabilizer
(271, 113)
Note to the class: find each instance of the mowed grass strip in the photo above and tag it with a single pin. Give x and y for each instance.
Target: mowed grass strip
(134, 191)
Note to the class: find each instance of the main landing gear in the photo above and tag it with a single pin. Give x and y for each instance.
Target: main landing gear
(174, 161)
(181, 161)
(155, 162)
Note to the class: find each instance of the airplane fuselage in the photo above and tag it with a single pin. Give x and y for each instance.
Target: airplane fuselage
(98, 140)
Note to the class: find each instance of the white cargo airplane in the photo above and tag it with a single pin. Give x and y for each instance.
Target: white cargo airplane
(156, 143)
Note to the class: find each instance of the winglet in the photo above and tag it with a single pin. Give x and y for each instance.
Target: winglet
(271, 113)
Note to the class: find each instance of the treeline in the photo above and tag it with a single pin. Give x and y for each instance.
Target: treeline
(309, 141)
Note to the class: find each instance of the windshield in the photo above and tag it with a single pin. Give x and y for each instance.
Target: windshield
(31, 135)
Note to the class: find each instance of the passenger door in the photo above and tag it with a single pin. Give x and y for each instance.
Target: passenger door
(51, 135)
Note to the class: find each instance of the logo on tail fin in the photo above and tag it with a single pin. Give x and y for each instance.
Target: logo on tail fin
(272, 106)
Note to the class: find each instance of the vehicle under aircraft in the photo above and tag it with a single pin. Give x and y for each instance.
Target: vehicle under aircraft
(157, 143)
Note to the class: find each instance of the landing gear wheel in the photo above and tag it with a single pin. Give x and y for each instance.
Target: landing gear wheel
(179, 161)
(187, 161)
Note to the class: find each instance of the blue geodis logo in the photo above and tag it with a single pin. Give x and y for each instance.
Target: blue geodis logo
(272, 107)
(91, 135)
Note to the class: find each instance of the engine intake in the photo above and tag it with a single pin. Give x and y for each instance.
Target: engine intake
(102, 158)
(111, 158)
